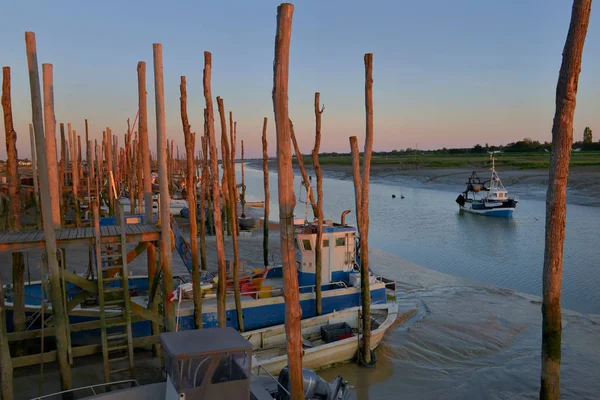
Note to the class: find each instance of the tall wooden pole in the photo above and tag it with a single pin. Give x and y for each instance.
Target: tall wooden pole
(228, 165)
(287, 201)
(203, 198)
(143, 131)
(47, 215)
(34, 170)
(556, 198)
(364, 225)
(74, 173)
(109, 169)
(190, 140)
(320, 216)
(165, 215)
(63, 172)
(14, 212)
(305, 180)
(50, 125)
(243, 200)
(267, 195)
(6, 367)
(216, 193)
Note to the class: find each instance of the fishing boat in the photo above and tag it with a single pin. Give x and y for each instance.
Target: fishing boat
(212, 364)
(487, 197)
(327, 339)
(262, 300)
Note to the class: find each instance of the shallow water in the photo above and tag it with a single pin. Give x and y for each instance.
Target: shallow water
(427, 228)
(468, 340)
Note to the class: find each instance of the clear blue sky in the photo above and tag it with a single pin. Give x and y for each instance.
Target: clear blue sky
(446, 73)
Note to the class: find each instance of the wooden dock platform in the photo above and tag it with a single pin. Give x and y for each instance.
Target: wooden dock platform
(76, 237)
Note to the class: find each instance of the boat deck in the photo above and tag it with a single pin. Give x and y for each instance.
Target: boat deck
(74, 237)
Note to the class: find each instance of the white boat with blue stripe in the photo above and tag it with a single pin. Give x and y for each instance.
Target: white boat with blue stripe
(487, 197)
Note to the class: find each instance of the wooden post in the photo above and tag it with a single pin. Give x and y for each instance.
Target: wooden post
(190, 140)
(165, 215)
(556, 198)
(6, 367)
(319, 215)
(14, 211)
(229, 172)
(361, 190)
(109, 168)
(267, 195)
(50, 125)
(216, 193)
(48, 217)
(243, 200)
(203, 206)
(287, 201)
(90, 166)
(34, 170)
(143, 130)
(63, 173)
(74, 173)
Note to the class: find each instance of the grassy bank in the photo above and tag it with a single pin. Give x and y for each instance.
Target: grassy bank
(531, 160)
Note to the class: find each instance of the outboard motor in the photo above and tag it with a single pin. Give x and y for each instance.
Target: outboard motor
(460, 200)
(314, 386)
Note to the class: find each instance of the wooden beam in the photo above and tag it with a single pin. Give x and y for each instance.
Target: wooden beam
(50, 136)
(6, 364)
(319, 215)
(80, 281)
(78, 352)
(139, 249)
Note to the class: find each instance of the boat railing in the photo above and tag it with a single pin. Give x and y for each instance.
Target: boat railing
(278, 290)
(92, 388)
(272, 377)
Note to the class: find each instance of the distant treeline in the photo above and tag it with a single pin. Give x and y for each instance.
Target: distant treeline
(522, 146)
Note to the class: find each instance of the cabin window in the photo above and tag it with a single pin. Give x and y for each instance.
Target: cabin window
(341, 241)
(326, 243)
(306, 244)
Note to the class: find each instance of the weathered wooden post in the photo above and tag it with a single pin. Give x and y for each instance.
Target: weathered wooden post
(361, 190)
(50, 137)
(287, 201)
(305, 180)
(556, 198)
(109, 168)
(14, 211)
(319, 215)
(229, 164)
(267, 195)
(6, 367)
(216, 193)
(63, 173)
(165, 215)
(34, 170)
(203, 206)
(74, 173)
(47, 215)
(190, 140)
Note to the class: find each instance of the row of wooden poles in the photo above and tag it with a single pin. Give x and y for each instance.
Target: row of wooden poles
(136, 173)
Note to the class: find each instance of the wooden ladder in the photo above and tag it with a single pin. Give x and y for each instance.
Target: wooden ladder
(115, 306)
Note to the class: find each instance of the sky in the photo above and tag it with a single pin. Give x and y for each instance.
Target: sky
(446, 73)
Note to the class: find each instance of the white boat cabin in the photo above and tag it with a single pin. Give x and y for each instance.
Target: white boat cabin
(338, 254)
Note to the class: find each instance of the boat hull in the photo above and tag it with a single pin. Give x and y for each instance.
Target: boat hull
(257, 313)
(490, 212)
(324, 355)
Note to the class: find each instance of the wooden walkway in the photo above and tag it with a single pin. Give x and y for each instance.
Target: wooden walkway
(75, 237)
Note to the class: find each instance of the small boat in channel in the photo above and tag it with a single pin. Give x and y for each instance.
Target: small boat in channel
(487, 197)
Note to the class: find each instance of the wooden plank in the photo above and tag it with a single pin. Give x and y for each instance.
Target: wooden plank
(80, 281)
(81, 351)
(147, 314)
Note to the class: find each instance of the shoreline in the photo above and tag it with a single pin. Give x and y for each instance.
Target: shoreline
(583, 187)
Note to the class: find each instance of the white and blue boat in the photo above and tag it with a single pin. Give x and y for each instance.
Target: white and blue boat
(487, 197)
(262, 306)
